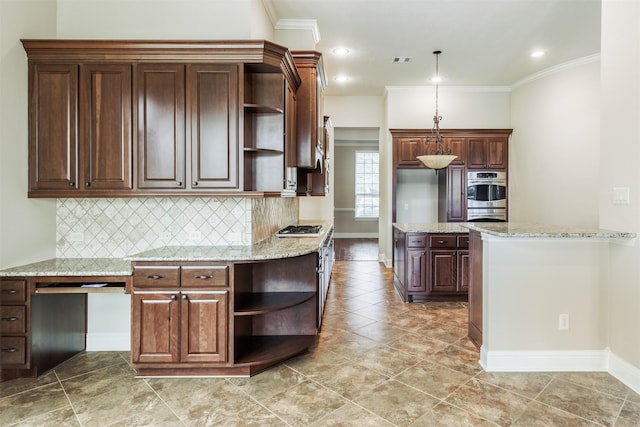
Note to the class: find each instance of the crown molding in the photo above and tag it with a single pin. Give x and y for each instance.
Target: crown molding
(392, 89)
(558, 68)
(271, 12)
(300, 24)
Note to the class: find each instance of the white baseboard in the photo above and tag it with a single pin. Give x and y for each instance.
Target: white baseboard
(545, 361)
(625, 372)
(108, 342)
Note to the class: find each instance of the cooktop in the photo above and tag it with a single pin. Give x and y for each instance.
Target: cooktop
(300, 231)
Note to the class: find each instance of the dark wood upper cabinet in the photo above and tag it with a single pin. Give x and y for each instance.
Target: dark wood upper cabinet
(111, 118)
(213, 110)
(309, 114)
(161, 125)
(105, 117)
(53, 131)
(487, 153)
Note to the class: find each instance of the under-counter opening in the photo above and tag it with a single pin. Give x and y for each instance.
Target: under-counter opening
(80, 287)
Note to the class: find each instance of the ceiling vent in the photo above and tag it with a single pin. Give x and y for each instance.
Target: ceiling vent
(401, 59)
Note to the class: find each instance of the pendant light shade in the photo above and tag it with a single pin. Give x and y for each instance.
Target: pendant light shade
(437, 157)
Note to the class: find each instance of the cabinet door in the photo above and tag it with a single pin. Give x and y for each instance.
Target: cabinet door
(53, 132)
(204, 328)
(155, 325)
(456, 194)
(476, 153)
(496, 153)
(443, 265)
(458, 148)
(407, 149)
(416, 262)
(105, 117)
(463, 271)
(213, 95)
(161, 129)
(290, 123)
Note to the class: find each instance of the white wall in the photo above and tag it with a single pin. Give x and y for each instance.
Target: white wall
(554, 171)
(27, 226)
(619, 160)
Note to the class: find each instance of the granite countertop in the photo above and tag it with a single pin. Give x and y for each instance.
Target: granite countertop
(272, 248)
(514, 229)
(434, 227)
(72, 267)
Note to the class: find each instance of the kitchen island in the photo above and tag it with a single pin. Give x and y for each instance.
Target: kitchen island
(538, 296)
(196, 310)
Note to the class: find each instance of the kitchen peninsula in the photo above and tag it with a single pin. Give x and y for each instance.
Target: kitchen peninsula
(538, 298)
(196, 310)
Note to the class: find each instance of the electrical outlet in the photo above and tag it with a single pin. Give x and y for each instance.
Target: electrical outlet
(563, 322)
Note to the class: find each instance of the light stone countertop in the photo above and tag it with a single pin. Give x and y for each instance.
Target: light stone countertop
(433, 227)
(273, 248)
(72, 267)
(514, 229)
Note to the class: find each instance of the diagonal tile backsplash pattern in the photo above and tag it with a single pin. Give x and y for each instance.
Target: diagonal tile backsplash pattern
(114, 228)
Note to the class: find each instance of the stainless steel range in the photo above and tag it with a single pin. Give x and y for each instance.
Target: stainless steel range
(300, 231)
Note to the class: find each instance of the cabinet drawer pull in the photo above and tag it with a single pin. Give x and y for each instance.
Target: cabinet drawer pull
(10, 319)
(442, 242)
(204, 277)
(10, 292)
(155, 277)
(10, 350)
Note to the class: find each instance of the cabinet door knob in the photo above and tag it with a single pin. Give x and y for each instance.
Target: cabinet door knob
(195, 183)
(155, 277)
(87, 184)
(179, 183)
(184, 297)
(174, 297)
(72, 184)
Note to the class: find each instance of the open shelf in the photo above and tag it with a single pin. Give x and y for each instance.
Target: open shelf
(262, 109)
(248, 304)
(264, 350)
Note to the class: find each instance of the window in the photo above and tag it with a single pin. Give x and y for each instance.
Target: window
(367, 184)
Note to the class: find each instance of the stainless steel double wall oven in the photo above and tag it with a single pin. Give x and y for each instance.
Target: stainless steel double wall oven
(486, 196)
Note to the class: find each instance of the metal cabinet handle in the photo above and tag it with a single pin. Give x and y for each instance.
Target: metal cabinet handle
(10, 350)
(442, 242)
(155, 277)
(10, 292)
(10, 319)
(204, 277)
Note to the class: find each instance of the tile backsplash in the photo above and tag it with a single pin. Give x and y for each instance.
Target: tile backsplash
(114, 228)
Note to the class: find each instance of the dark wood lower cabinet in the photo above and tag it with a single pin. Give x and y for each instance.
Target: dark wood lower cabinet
(431, 265)
(239, 322)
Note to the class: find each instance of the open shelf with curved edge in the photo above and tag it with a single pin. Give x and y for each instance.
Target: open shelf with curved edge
(275, 309)
(249, 304)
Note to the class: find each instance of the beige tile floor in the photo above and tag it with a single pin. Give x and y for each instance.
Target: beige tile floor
(377, 362)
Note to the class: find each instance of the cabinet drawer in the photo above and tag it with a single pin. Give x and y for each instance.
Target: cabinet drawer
(416, 240)
(12, 319)
(463, 241)
(13, 350)
(204, 276)
(13, 291)
(443, 241)
(156, 276)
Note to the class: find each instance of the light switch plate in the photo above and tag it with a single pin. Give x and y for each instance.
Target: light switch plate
(621, 195)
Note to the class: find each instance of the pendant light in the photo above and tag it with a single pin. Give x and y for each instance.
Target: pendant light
(439, 157)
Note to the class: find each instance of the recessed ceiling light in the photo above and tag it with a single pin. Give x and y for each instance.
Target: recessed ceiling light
(537, 53)
(341, 78)
(340, 51)
(436, 79)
